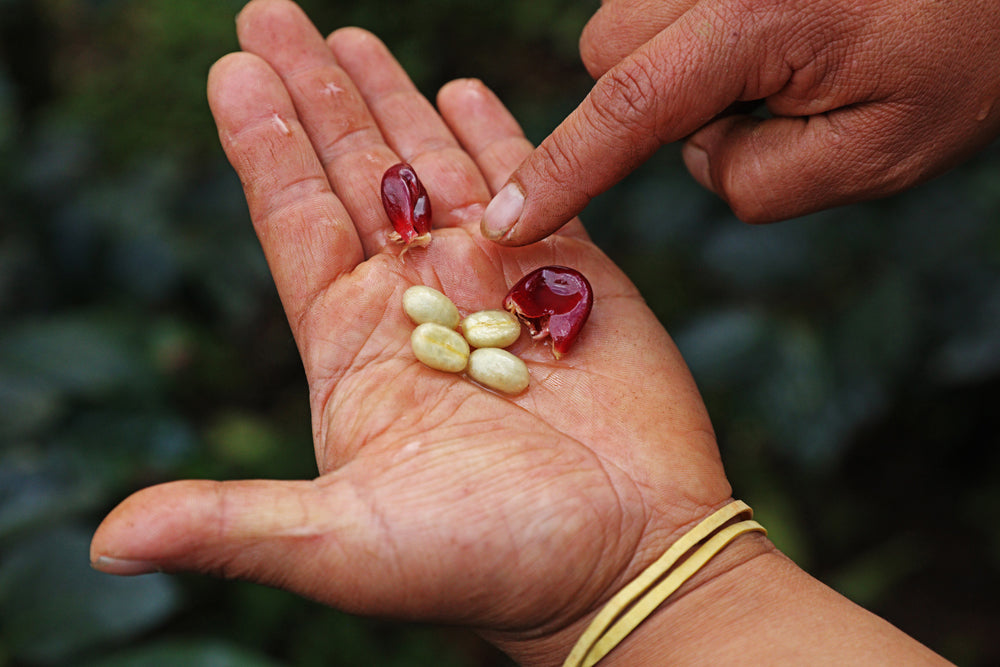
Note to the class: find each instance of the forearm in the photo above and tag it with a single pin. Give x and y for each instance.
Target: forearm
(769, 611)
(750, 605)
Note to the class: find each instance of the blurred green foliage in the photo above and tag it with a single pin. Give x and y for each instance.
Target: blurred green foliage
(850, 360)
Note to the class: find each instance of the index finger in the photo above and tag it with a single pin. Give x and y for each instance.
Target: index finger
(307, 235)
(490, 134)
(344, 135)
(669, 87)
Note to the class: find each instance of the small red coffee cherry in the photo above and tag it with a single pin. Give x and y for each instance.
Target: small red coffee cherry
(553, 302)
(406, 203)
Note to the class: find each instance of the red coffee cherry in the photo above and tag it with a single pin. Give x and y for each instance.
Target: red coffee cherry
(406, 203)
(553, 302)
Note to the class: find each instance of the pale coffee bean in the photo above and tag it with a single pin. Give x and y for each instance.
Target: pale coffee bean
(439, 347)
(491, 328)
(498, 369)
(425, 304)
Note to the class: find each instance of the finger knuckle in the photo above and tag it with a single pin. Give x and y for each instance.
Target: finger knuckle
(557, 160)
(630, 94)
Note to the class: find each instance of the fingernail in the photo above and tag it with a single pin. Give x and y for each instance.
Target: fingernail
(696, 160)
(503, 212)
(124, 567)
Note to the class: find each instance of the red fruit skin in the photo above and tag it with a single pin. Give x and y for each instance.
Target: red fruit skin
(553, 302)
(406, 202)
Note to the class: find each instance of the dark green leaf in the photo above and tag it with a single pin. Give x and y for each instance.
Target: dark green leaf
(53, 605)
(75, 355)
(185, 653)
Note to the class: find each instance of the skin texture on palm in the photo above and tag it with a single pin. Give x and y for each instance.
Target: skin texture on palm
(435, 499)
(867, 98)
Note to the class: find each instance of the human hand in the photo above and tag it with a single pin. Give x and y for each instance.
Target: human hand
(436, 500)
(867, 98)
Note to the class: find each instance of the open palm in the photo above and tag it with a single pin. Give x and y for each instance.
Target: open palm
(436, 499)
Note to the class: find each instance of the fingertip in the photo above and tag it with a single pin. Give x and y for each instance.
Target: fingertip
(258, 12)
(197, 525)
(243, 87)
(592, 55)
(282, 33)
(142, 533)
(123, 567)
(246, 12)
(231, 65)
(523, 213)
(696, 160)
(503, 213)
(459, 90)
(217, 73)
(349, 36)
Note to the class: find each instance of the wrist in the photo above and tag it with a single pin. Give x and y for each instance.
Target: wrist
(666, 623)
(752, 605)
(691, 619)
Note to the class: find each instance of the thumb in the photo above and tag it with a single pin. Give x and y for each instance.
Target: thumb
(668, 88)
(783, 167)
(301, 536)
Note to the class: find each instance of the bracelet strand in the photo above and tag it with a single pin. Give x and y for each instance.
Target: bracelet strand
(640, 598)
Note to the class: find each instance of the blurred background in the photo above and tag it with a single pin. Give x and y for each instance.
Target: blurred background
(850, 360)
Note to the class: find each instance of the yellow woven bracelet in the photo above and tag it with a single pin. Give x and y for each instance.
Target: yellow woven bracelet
(631, 605)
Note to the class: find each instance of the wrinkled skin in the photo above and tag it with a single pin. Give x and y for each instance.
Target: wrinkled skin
(868, 97)
(435, 499)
